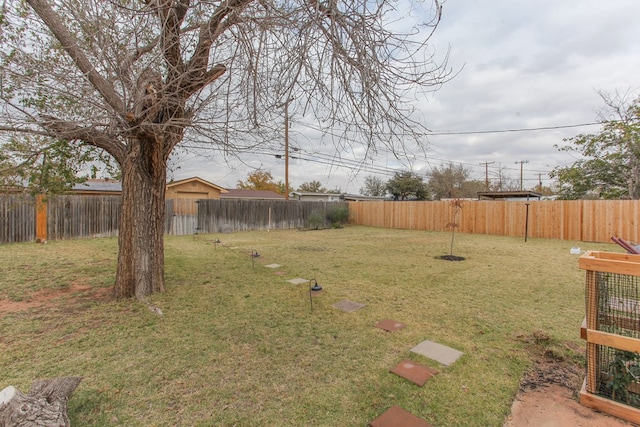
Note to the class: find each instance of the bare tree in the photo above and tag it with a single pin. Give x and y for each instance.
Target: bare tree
(374, 186)
(137, 77)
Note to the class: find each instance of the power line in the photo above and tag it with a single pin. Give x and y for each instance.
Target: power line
(480, 132)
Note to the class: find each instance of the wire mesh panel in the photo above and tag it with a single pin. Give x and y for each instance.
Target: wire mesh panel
(612, 300)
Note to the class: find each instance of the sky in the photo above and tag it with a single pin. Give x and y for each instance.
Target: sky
(519, 65)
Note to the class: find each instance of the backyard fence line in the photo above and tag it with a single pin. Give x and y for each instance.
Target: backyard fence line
(579, 220)
(17, 218)
(76, 216)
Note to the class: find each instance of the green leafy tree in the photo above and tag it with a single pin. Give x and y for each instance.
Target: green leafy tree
(50, 166)
(373, 186)
(312, 187)
(609, 167)
(404, 185)
(134, 79)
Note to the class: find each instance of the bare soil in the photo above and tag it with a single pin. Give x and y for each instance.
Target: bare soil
(548, 395)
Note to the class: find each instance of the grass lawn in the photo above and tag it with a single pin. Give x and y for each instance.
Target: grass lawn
(237, 345)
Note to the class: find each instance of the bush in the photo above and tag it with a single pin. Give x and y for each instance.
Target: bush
(338, 215)
(315, 220)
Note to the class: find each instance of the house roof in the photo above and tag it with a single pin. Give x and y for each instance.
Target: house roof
(239, 193)
(98, 186)
(508, 194)
(198, 179)
(361, 198)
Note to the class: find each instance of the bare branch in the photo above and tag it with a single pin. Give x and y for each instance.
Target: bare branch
(71, 45)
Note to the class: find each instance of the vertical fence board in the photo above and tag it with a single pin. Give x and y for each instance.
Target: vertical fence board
(579, 220)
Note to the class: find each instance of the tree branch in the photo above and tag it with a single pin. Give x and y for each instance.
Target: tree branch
(71, 45)
(70, 131)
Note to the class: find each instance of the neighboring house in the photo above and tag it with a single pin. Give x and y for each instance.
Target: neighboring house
(246, 194)
(361, 198)
(194, 188)
(316, 197)
(509, 195)
(190, 188)
(98, 187)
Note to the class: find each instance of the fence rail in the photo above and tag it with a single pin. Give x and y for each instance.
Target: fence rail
(581, 220)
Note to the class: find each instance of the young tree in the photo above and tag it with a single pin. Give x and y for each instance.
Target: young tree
(373, 186)
(406, 184)
(135, 77)
(610, 163)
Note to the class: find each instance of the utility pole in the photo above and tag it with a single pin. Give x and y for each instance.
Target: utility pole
(285, 104)
(539, 182)
(522, 162)
(486, 174)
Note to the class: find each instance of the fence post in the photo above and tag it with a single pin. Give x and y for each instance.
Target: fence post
(41, 218)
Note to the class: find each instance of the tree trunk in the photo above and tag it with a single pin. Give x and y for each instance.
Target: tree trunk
(44, 406)
(141, 231)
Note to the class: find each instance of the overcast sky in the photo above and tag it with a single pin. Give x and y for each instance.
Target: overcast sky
(521, 65)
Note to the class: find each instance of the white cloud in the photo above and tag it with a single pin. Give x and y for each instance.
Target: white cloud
(522, 64)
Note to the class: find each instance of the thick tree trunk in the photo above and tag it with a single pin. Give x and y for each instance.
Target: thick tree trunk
(141, 232)
(45, 405)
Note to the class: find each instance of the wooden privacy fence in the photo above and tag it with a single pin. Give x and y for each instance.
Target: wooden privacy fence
(17, 219)
(240, 215)
(25, 218)
(581, 220)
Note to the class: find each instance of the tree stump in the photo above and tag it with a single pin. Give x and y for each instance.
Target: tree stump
(44, 406)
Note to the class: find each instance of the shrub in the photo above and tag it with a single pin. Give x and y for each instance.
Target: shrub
(338, 215)
(315, 220)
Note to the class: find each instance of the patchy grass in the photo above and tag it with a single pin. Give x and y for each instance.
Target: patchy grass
(238, 345)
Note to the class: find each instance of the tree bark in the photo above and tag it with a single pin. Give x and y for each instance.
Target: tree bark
(44, 406)
(141, 232)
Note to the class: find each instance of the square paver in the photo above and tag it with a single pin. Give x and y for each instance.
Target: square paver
(438, 352)
(414, 372)
(398, 417)
(298, 280)
(349, 306)
(389, 325)
(273, 265)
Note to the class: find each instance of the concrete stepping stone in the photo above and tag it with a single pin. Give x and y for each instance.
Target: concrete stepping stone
(414, 372)
(389, 325)
(398, 417)
(349, 306)
(438, 352)
(273, 265)
(298, 281)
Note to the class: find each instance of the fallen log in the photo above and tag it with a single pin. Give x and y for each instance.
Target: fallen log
(44, 406)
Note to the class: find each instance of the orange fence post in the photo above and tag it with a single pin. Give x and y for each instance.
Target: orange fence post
(41, 218)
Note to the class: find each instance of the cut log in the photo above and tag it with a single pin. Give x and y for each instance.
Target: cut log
(44, 406)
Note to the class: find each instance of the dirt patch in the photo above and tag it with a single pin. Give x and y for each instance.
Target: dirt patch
(49, 298)
(549, 393)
